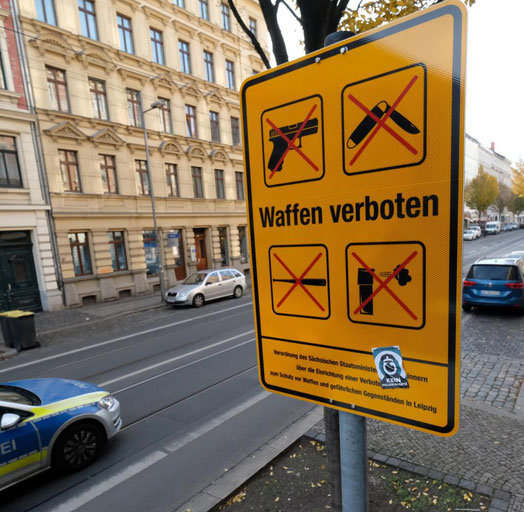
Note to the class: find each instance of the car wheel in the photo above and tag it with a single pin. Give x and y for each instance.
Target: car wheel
(198, 300)
(77, 447)
(466, 307)
(237, 292)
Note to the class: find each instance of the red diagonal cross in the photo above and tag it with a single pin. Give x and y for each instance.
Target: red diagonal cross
(298, 281)
(381, 123)
(384, 284)
(291, 143)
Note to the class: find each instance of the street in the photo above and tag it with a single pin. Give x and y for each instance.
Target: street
(191, 402)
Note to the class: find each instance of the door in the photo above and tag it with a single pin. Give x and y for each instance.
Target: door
(228, 282)
(212, 286)
(18, 283)
(201, 251)
(20, 442)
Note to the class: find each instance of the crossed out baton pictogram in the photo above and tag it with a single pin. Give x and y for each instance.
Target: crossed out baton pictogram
(381, 122)
(383, 285)
(299, 281)
(291, 143)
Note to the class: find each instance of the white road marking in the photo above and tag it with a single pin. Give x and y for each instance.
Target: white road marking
(172, 359)
(216, 422)
(178, 368)
(114, 340)
(93, 492)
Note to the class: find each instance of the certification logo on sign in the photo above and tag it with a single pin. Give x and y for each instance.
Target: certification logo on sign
(354, 166)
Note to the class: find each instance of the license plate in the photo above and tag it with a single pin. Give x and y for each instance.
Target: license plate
(489, 292)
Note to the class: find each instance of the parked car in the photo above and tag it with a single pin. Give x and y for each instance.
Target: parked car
(469, 234)
(494, 282)
(206, 285)
(56, 423)
(476, 229)
(492, 228)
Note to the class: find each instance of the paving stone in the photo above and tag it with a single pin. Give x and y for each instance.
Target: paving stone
(451, 480)
(503, 495)
(467, 484)
(498, 503)
(484, 489)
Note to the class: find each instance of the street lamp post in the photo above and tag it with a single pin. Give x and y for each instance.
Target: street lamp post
(161, 267)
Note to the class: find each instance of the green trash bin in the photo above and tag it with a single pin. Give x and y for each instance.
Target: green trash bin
(20, 329)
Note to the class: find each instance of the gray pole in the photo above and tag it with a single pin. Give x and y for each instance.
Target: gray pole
(353, 462)
(352, 428)
(152, 195)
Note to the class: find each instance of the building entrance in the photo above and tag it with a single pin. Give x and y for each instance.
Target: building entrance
(201, 249)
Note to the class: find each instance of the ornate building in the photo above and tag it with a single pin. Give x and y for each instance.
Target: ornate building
(95, 65)
(28, 278)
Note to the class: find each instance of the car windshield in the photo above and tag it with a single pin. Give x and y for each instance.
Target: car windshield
(196, 278)
(17, 395)
(494, 272)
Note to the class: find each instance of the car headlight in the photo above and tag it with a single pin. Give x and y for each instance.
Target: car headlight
(108, 402)
(182, 295)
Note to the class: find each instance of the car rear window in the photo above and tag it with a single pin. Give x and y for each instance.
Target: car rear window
(494, 272)
(18, 396)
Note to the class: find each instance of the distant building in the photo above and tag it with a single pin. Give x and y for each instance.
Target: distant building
(92, 64)
(28, 278)
(493, 163)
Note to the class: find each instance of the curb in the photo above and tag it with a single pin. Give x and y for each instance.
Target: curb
(221, 488)
(500, 499)
(7, 353)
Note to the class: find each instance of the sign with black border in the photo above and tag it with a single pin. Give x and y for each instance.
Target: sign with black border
(356, 247)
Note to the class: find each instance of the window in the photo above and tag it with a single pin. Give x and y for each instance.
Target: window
(191, 121)
(9, 167)
(165, 116)
(242, 238)
(230, 74)
(185, 58)
(99, 98)
(69, 170)
(86, 9)
(226, 20)
(239, 181)
(235, 131)
(196, 174)
(179, 3)
(133, 107)
(57, 87)
(224, 246)
(210, 67)
(80, 251)
(215, 126)
(253, 26)
(172, 180)
(117, 248)
(142, 177)
(125, 33)
(108, 173)
(219, 184)
(45, 11)
(204, 9)
(157, 46)
(3, 82)
(151, 252)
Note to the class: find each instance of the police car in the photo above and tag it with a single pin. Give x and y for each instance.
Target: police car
(55, 423)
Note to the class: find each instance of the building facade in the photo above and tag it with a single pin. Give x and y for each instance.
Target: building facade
(95, 65)
(28, 275)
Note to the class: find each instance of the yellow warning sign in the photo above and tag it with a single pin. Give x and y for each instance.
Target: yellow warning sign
(386, 284)
(353, 163)
(385, 121)
(292, 135)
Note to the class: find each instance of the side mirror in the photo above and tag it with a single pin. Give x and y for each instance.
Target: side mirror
(9, 420)
(208, 283)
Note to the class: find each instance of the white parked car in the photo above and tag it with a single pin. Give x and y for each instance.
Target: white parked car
(477, 230)
(469, 234)
(492, 227)
(206, 285)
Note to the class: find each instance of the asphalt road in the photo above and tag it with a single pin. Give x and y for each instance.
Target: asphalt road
(191, 402)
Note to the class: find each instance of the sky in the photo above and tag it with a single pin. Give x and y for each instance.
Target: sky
(494, 73)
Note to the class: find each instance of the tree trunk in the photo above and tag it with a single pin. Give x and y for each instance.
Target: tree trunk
(270, 16)
(333, 454)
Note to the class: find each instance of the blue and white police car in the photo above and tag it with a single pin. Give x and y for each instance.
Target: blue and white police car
(57, 423)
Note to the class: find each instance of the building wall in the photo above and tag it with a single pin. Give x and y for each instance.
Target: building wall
(93, 212)
(24, 208)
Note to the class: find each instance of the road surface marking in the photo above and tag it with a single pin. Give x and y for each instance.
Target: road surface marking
(97, 490)
(172, 359)
(216, 422)
(114, 340)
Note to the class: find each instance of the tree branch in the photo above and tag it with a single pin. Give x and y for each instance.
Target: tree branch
(289, 8)
(270, 17)
(250, 34)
